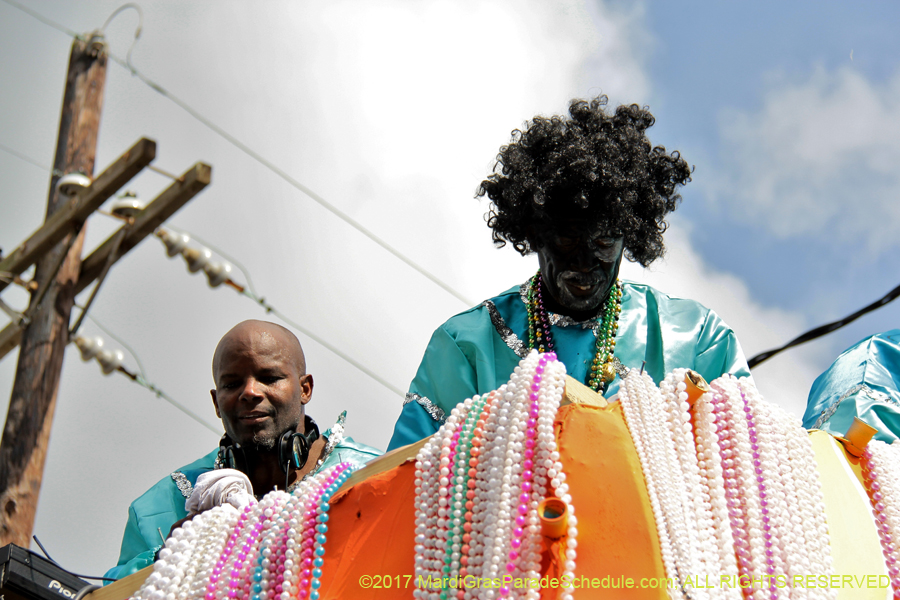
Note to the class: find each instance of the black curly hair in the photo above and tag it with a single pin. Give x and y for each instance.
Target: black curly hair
(582, 171)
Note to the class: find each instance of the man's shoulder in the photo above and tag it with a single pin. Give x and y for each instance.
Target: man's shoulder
(176, 482)
(358, 447)
(648, 295)
(349, 450)
(481, 311)
(867, 361)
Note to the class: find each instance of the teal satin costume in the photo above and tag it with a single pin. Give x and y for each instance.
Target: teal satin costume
(163, 504)
(476, 351)
(863, 382)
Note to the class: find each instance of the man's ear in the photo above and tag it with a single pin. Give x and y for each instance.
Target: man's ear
(215, 403)
(306, 388)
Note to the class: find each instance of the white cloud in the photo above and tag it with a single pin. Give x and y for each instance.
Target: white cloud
(392, 110)
(819, 157)
(784, 380)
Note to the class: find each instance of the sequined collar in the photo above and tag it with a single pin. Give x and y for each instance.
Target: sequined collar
(335, 437)
(557, 319)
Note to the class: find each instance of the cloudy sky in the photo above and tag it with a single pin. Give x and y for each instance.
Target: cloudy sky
(393, 111)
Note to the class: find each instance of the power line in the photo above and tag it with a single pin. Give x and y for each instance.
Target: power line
(93, 348)
(276, 170)
(756, 360)
(139, 378)
(250, 292)
(271, 309)
(45, 20)
(824, 329)
(199, 259)
(255, 155)
(221, 253)
(290, 180)
(121, 342)
(27, 158)
(161, 394)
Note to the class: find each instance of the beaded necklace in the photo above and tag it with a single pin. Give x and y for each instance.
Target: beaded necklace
(731, 480)
(736, 494)
(880, 466)
(270, 550)
(489, 467)
(602, 370)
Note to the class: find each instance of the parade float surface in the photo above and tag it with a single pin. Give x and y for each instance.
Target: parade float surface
(735, 501)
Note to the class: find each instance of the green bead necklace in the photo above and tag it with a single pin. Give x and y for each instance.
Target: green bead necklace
(602, 370)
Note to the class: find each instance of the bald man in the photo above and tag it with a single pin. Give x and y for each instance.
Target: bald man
(262, 389)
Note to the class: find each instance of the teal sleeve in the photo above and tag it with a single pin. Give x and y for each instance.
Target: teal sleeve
(413, 425)
(142, 560)
(351, 451)
(151, 516)
(150, 519)
(863, 382)
(445, 377)
(718, 351)
(135, 554)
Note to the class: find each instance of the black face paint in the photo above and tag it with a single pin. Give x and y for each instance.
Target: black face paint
(579, 268)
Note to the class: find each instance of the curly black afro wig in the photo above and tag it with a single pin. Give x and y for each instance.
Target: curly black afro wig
(578, 172)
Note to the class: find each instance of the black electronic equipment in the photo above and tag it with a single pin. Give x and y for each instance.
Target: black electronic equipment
(292, 447)
(26, 576)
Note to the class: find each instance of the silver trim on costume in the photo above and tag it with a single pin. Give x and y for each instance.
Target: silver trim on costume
(523, 291)
(829, 411)
(558, 319)
(184, 486)
(567, 321)
(435, 411)
(506, 334)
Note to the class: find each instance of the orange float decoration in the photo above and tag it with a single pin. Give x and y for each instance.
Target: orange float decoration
(624, 521)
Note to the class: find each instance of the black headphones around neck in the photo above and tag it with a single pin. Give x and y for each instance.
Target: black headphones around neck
(292, 447)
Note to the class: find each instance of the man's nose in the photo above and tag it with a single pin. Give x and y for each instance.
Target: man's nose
(583, 260)
(251, 389)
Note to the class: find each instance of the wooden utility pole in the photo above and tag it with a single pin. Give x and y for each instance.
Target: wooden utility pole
(23, 448)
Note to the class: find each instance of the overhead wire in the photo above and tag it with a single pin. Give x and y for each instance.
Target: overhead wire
(271, 309)
(251, 293)
(45, 20)
(824, 329)
(28, 159)
(293, 182)
(140, 378)
(759, 358)
(120, 341)
(285, 176)
(137, 31)
(162, 394)
(756, 360)
(126, 63)
(255, 155)
(221, 253)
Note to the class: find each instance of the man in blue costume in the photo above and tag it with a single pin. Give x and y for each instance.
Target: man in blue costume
(580, 191)
(863, 382)
(262, 388)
